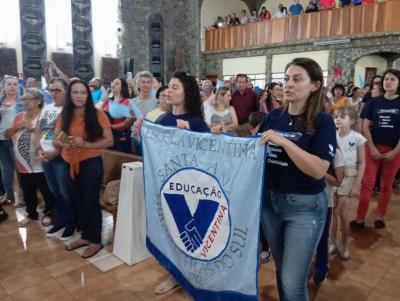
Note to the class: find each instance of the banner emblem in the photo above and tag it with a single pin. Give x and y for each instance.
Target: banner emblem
(196, 215)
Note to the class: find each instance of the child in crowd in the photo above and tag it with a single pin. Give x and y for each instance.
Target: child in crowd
(351, 144)
(333, 179)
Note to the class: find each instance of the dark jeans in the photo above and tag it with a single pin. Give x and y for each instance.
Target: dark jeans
(293, 224)
(85, 194)
(321, 261)
(263, 240)
(30, 183)
(7, 165)
(56, 172)
(122, 141)
(136, 146)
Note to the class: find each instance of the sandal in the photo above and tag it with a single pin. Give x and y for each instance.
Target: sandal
(166, 286)
(76, 244)
(91, 250)
(5, 200)
(46, 221)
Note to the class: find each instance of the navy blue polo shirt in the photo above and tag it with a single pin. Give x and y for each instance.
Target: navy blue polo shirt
(385, 117)
(197, 124)
(281, 174)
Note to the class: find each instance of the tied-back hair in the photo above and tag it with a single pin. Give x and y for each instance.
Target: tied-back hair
(221, 91)
(193, 103)
(315, 102)
(268, 100)
(395, 72)
(124, 88)
(93, 130)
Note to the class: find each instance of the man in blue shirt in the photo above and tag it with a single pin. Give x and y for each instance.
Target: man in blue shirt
(296, 8)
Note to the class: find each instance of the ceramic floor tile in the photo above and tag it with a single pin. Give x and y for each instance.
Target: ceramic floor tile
(368, 274)
(390, 285)
(101, 287)
(21, 282)
(124, 271)
(382, 297)
(107, 263)
(66, 266)
(12, 268)
(351, 290)
(46, 291)
(142, 284)
(3, 292)
(78, 277)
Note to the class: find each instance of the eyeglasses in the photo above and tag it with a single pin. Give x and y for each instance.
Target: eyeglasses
(79, 93)
(28, 98)
(56, 90)
(163, 95)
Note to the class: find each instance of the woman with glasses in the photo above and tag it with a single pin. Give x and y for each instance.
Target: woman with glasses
(29, 166)
(163, 106)
(55, 168)
(85, 131)
(10, 105)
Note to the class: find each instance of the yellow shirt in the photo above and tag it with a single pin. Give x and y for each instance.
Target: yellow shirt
(155, 114)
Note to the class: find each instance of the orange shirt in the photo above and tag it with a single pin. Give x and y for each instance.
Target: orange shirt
(77, 129)
(341, 102)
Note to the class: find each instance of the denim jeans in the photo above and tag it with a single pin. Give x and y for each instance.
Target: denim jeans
(136, 146)
(56, 172)
(293, 225)
(7, 165)
(86, 194)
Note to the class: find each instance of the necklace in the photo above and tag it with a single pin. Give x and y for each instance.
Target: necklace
(290, 120)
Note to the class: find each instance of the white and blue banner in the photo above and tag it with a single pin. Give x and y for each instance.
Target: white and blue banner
(203, 196)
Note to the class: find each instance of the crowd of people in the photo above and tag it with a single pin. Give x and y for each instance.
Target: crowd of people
(294, 10)
(328, 145)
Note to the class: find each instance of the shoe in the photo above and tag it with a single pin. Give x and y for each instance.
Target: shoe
(344, 253)
(53, 231)
(67, 234)
(3, 215)
(265, 256)
(357, 225)
(6, 200)
(380, 224)
(332, 248)
(91, 250)
(319, 277)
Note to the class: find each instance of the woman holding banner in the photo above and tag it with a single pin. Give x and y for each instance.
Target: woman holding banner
(302, 139)
(184, 96)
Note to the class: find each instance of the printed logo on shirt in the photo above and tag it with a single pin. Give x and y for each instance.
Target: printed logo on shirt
(196, 213)
(351, 144)
(293, 136)
(331, 150)
(388, 111)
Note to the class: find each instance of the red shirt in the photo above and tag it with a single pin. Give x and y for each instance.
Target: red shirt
(244, 104)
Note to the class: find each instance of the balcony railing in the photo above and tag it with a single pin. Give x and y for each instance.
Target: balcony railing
(347, 21)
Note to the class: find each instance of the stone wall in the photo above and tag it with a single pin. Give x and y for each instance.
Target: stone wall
(181, 33)
(343, 55)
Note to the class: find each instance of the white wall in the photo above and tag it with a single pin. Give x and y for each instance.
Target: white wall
(373, 61)
(246, 65)
(105, 24)
(58, 26)
(211, 9)
(279, 61)
(10, 29)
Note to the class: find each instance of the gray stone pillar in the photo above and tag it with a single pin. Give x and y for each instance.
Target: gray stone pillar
(81, 12)
(33, 37)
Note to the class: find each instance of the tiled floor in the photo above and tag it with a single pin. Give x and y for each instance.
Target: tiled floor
(33, 267)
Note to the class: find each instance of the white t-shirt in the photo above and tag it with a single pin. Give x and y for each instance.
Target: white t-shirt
(338, 161)
(348, 145)
(47, 123)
